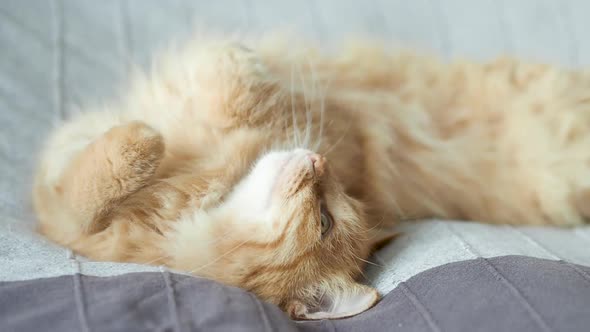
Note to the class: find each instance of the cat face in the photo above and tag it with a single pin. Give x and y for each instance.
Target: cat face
(304, 239)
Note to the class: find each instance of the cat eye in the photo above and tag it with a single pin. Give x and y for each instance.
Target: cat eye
(326, 220)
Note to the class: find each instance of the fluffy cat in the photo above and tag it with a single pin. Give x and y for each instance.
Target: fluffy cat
(274, 170)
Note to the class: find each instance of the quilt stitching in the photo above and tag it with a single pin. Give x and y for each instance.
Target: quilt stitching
(172, 307)
(58, 58)
(464, 244)
(551, 253)
(81, 53)
(535, 315)
(79, 293)
(261, 312)
(420, 307)
(125, 37)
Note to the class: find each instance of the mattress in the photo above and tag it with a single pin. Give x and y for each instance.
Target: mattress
(57, 56)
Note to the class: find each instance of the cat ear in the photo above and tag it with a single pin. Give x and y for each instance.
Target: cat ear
(352, 300)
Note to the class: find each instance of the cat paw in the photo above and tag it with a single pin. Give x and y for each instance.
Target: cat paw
(134, 151)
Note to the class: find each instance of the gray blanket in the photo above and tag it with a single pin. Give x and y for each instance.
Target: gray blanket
(512, 293)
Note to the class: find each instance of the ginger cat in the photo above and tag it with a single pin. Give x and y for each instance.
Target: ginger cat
(273, 169)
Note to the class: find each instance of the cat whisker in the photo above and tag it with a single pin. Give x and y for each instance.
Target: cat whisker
(393, 169)
(364, 275)
(322, 98)
(339, 139)
(322, 296)
(213, 241)
(362, 272)
(290, 141)
(306, 103)
(368, 262)
(151, 262)
(220, 257)
(294, 118)
(321, 92)
(375, 226)
(317, 90)
(314, 91)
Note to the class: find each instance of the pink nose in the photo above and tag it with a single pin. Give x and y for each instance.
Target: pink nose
(319, 163)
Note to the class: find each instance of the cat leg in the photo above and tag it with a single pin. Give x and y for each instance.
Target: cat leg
(549, 156)
(108, 170)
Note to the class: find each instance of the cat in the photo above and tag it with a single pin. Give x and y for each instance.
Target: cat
(278, 169)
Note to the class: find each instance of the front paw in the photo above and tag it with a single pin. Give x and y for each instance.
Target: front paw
(133, 151)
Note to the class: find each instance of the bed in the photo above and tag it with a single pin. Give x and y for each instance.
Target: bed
(59, 55)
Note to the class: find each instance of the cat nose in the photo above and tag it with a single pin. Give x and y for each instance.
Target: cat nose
(318, 162)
